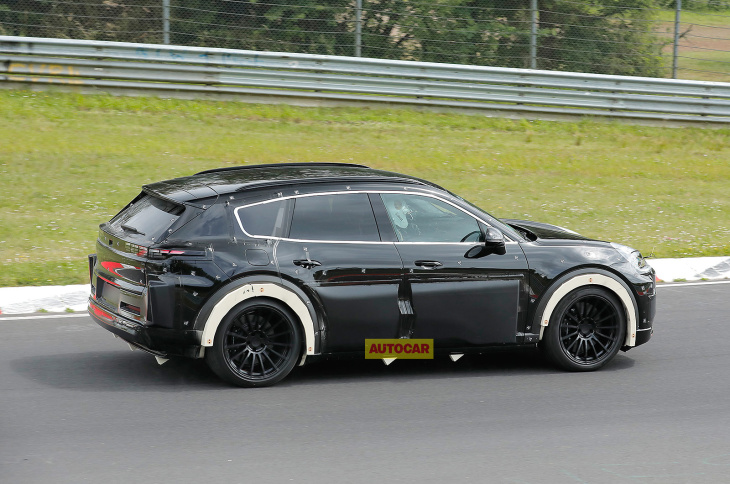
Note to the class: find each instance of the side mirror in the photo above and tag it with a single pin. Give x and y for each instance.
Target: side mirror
(493, 244)
(494, 240)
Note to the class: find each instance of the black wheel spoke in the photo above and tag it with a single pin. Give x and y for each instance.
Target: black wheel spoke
(234, 357)
(573, 317)
(240, 368)
(288, 345)
(238, 332)
(272, 350)
(605, 318)
(572, 344)
(602, 345)
(570, 335)
(603, 335)
(593, 347)
(273, 365)
(589, 329)
(258, 345)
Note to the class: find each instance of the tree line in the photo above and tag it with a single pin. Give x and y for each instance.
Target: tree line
(606, 36)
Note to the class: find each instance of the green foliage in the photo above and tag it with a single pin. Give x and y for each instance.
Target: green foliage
(608, 36)
(698, 5)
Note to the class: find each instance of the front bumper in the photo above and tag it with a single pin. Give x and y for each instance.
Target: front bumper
(157, 341)
(646, 304)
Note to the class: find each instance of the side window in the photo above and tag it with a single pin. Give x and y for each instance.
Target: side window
(347, 217)
(265, 219)
(416, 218)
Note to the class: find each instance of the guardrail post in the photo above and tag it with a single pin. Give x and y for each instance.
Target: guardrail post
(676, 37)
(358, 28)
(533, 34)
(166, 22)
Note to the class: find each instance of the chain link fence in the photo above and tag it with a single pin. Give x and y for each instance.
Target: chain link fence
(625, 37)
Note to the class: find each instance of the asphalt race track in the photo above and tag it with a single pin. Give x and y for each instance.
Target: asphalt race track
(77, 406)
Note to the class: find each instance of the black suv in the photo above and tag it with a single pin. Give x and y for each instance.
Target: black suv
(260, 268)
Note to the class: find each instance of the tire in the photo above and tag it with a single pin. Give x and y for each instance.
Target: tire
(586, 330)
(257, 344)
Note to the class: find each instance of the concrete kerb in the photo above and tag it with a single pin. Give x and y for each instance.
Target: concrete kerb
(55, 299)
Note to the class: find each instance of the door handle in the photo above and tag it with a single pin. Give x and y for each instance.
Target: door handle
(428, 264)
(306, 263)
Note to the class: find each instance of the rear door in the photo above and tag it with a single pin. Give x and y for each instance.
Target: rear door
(335, 252)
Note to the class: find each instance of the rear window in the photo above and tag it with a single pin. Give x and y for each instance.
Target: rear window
(146, 219)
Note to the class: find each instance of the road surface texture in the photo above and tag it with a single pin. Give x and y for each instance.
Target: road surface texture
(77, 406)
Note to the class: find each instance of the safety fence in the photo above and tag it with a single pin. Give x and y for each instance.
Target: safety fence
(687, 39)
(153, 69)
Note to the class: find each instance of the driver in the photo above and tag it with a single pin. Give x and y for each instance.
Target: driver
(399, 213)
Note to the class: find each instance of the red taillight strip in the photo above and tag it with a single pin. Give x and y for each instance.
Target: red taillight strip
(101, 313)
(107, 280)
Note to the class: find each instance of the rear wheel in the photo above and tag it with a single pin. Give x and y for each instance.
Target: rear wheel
(257, 344)
(586, 330)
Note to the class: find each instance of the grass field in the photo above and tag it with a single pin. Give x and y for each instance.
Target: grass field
(69, 162)
(704, 49)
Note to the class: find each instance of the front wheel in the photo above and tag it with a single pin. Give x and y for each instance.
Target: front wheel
(586, 330)
(257, 344)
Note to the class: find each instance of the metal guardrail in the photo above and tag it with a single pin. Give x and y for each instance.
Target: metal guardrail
(121, 68)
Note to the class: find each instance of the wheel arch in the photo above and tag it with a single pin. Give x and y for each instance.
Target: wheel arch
(584, 278)
(231, 295)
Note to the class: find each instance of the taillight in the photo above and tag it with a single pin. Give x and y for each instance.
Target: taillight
(165, 253)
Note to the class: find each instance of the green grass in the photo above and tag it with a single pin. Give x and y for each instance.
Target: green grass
(704, 50)
(69, 162)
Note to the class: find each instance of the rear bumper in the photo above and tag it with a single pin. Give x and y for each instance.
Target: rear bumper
(158, 341)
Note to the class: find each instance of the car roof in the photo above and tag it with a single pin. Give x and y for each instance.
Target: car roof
(222, 181)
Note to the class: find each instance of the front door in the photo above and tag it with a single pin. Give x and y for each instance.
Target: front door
(458, 301)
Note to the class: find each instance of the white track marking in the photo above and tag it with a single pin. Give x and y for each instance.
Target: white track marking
(681, 284)
(59, 316)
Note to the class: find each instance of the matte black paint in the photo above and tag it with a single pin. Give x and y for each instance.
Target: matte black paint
(356, 290)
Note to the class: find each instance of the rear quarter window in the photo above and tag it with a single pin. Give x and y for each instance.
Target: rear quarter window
(270, 219)
(210, 224)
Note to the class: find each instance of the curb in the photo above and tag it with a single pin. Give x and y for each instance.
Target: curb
(59, 299)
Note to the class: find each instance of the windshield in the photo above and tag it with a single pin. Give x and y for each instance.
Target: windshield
(492, 220)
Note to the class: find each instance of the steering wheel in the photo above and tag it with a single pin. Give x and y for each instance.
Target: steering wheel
(470, 234)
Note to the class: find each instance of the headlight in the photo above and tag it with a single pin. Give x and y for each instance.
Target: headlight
(633, 257)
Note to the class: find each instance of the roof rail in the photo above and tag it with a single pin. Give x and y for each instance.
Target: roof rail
(277, 165)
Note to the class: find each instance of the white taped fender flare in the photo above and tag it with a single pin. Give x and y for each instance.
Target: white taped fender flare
(594, 280)
(273, 291)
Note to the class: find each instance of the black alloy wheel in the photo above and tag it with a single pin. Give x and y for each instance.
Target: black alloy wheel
(586, 330)
(257, 344)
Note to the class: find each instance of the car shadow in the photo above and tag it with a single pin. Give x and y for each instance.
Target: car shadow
(115, 371)
(492, 363)
(139, 372)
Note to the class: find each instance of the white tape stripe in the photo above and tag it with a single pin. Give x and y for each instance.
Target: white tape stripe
(59, 316)
(590, 279)
(681, 284)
